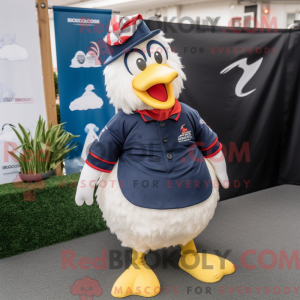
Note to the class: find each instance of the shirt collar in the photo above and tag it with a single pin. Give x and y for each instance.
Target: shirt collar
(151, 115)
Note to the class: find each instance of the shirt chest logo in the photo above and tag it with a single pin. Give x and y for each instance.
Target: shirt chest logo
(185, 134)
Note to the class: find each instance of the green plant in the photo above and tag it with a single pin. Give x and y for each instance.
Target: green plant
(45, 151)
(58, 113)
(55, 84)
(56, 95)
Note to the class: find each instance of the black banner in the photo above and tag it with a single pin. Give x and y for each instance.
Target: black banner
(245, 85)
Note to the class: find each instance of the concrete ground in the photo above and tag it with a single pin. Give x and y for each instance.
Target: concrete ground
(258, 232)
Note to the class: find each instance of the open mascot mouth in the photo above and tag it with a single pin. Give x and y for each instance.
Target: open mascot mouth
(158, 92)
(154, 86)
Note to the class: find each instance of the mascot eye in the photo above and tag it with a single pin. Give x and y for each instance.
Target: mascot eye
(135, 61)
(141, 64)
(158, 57)
(157, 52)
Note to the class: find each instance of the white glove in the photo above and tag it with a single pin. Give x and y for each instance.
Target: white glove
(86, 185)
(219, 164)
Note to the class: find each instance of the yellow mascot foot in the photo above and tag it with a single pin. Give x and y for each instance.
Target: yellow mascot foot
(203, 266)
(138, 279)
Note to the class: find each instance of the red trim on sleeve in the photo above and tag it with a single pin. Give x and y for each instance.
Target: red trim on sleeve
(211, 145)
(213, 154)
(108, 162)
(94, 167)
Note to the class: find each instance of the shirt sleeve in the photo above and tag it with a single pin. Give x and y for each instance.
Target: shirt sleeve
(207, 140)
(105, 152)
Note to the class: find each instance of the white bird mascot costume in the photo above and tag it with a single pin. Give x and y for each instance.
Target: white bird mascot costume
(156, 161)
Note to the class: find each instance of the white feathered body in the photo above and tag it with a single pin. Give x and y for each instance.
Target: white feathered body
(150, 229)
(141, 228)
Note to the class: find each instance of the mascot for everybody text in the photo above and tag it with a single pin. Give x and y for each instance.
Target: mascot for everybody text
(157, 160)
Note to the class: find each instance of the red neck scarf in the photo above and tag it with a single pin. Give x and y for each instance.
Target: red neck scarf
(162, 114)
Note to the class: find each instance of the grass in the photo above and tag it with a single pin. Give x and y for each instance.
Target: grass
(52, 218)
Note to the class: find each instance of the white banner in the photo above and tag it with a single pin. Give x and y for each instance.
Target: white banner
(21, 84)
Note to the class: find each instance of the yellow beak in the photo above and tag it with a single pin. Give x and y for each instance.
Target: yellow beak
(152, 75)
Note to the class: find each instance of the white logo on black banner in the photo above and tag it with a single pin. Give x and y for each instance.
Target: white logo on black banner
(249, 72)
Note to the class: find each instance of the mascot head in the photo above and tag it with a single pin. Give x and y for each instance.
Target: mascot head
(142, 72)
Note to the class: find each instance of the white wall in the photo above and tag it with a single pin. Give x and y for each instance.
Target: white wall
(224, 9)
(52, 37)
(280, 11)
(213, 10)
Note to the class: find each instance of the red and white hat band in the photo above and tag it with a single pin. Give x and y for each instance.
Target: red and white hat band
(121, 29)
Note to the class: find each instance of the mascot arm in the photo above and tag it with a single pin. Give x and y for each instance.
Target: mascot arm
(219, 165)
(86, 185)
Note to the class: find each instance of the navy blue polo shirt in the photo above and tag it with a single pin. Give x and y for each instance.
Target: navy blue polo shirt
(161, 163)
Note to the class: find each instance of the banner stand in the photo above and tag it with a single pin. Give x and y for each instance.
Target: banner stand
(47, 66)
(84, 104)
